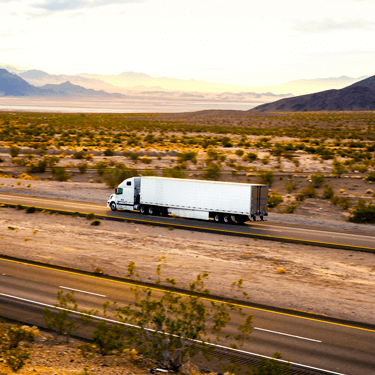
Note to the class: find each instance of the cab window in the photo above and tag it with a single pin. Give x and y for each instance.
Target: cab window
(119, 191)
(128, 183)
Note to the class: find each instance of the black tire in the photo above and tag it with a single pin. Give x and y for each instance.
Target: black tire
(143, 210)
(233, 219)
(217, 218)
(113, 206)
(164, 212)
(226, 219)
(151, 210)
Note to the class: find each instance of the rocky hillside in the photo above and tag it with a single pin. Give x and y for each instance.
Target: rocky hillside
(357, 97)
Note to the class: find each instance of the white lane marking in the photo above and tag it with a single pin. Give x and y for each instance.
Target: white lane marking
(286, 334)
(82, 291)
(148, 329)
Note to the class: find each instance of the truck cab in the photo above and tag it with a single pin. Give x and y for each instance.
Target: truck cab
(126, 195)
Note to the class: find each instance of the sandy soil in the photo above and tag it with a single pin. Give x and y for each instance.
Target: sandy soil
(325, 281)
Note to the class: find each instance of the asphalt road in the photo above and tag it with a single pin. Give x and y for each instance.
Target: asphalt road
(271, 231)
(339, 348)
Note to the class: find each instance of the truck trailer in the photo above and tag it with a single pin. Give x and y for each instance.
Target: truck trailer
(225, 202)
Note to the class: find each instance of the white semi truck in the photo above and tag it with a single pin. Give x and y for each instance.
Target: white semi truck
(222, 201)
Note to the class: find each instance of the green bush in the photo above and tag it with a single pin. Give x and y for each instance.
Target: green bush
(108, 152)
(174, 172)
(79, 155)
(60, 174)
(186, 156)
(250, 157)
(14, 151)
(271, 367)
(90, 216)
(309, 192)
(370, 177)
(317, 179)
(39, 166)
(338, 168)
(290, 208)
(82, 167)
(96, 223)
(145, 160)
(212, 172)
(30, 210)
(101, 167)
(328, 192)
(266, 177)
(290, 186)
(362, 213)
(274, 199)
(300, 197)
(239, 152)
(114, 176)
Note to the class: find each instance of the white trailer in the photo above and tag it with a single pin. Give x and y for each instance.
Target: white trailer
(222, 201)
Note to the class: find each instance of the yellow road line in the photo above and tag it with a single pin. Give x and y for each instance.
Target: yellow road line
(186, 294)
(260, 236)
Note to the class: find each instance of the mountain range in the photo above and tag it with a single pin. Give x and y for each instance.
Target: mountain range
(359, 96)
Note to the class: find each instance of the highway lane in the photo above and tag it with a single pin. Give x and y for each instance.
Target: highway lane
(262, 229)
(336, 347)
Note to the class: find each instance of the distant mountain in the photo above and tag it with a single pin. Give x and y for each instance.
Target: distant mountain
(359, 96)
(40, 78)
(68, 89)
(13, 85)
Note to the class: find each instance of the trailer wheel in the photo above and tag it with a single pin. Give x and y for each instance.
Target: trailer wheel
(240, 220)
(233, 219)
(217, 218)
(142, 210)
(151, 210)
(113, 206)
(226, 219)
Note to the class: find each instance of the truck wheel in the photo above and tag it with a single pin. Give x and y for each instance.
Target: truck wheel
(113, 206)
(226, 219)
(217, 218)
(142, 210)
(151, 210)
(232, 219)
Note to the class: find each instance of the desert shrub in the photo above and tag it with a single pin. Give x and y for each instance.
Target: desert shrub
(39, 166)
(239, 152)
(176, 327)
(362, 213)
(250, 157)
(309, 192)
(212, 171)
(370, 177)
(30, 210)
(338, 168)
(317, 179)
(226, 142)
(174, 172)
(361, 168)
(60, 174)
(108, 152)
(274, 199)
(79, 155)
(266, 177)
(2, 160)
(14, 356)
(149, 172)
(345, 203)
(61, 321)
(145, 160)
(290, 186)
(134, 157)
(101, 167)
(291, 207)
(95, 223)
(300, 197)
(82, 167)
(328, 192)
(14, 151)
(114, 176)
(265, 160)
(90, 216)
(187, 156)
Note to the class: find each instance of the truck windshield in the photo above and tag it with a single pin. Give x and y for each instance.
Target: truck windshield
(118, 191)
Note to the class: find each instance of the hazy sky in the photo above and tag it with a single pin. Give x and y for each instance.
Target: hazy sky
(251, 42)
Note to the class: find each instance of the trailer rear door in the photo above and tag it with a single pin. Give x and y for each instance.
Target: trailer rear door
(259, 199)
